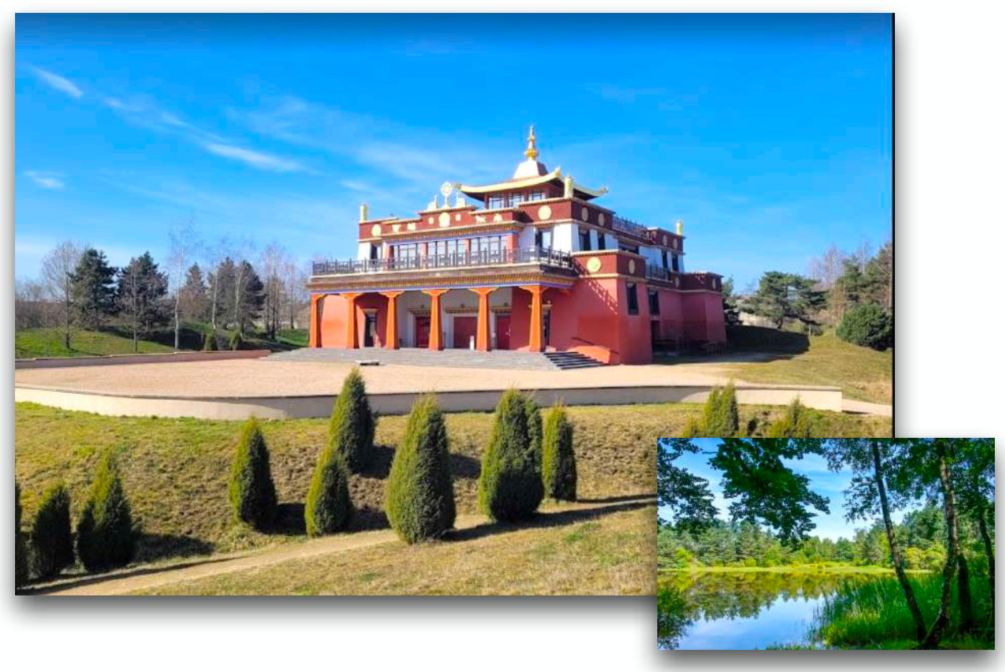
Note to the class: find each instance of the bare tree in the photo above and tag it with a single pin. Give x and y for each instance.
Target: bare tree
(294, 290)
(827, 268)
(213, 255)
(31, 309)
(184, 241)
(57, 272)
(271, 263)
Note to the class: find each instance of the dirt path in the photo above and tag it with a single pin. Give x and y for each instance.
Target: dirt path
(142, 578)
(866, 408)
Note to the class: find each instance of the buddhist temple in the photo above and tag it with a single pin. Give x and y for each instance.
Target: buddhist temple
(531, 263)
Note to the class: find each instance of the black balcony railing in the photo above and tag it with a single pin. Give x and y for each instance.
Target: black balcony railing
(543, 256)
(628, 226)
(658, 273)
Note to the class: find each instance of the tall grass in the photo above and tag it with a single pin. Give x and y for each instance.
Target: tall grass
(874, 614)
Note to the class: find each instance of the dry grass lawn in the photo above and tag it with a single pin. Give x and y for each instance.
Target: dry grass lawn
(611, 554)
(175, 470)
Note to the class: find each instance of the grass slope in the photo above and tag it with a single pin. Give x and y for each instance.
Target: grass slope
(861, 373)
(49, 343)
(117, 341)
(175, 470)
(607, 555)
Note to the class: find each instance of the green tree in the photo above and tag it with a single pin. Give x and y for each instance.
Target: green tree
(351, 428)
(20, 548)
(236, 341)
(92, 289)
(730, 304)
(420, 491)
(51, 538)
(786, 296)
(687, 496)
(209, 342)
(558, 461)
(141, 291)
(252, 492)
(796, 423)
(867, 325)
(329, 506)
(878, 277)
(764, 489)
(721, 415)
(105, 534)
(510, 486)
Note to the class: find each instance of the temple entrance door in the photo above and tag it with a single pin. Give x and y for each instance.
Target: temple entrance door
(422, 331)
(502, 331)
(369, 330)
(465, 328)
(654, 332)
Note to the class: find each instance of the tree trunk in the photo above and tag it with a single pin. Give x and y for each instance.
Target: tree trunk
(895, 557)
(989, 550)
(66, 320)
(212, 317)
(952, 556)
(966, 599)
(177, 327)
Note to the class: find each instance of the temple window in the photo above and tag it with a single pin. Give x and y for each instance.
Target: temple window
(654, 302)
(633, 299)
(601, 241)
(676, 264)
(584, 240)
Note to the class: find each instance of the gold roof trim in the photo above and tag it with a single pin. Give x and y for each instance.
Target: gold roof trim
(556, 174)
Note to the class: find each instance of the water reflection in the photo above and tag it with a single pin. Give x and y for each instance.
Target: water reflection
(741, 610)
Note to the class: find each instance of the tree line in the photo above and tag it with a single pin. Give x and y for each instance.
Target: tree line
(955, 475)
(79, 288)
(851, 292)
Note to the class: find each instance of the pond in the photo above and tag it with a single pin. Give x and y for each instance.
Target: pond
(732, 610)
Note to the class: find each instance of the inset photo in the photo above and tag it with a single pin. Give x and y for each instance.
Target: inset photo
(812, 544)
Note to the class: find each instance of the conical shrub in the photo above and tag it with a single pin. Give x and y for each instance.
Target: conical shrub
(329, 507)
(534, 426)
(105, 534)
(21, 575)
(558, 460)
(209, 342)
(795, 424)
(350, 431)
(252, 492)
(420, 491)
(51, 539)
(510, 486)
(721, 416)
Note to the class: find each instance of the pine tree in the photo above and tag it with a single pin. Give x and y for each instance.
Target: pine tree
(510, 486)
(105, 534)
(194, 295)
(351, 428)
(559, 459)
(141, 291)
(329, 507)
(721, 416)
(420, 491)
(252, 492)
(92, 289)
(51, 539)
(20, 548)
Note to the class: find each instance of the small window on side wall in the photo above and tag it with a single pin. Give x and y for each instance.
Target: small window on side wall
(633, 299)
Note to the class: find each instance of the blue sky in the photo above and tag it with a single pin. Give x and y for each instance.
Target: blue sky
(770, 136)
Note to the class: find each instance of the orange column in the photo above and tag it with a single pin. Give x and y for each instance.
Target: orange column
(482, 341)
(351, 337)
(391, 333)
(315, 328)
(536, 320)
(435, 331)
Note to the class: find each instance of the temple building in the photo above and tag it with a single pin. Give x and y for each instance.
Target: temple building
(529, 263)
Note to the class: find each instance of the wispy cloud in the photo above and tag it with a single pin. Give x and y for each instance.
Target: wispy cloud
(627, 94)
(254, 158)
(46, 180)
(58, 82)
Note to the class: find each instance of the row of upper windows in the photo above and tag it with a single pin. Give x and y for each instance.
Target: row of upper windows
(508, 200)
(633, 300)
(439, 248)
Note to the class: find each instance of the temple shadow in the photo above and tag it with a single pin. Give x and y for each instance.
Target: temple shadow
(369, 518)
(289, 520)
(153, 547)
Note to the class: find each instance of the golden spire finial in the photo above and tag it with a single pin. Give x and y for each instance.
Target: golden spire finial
(531, 152)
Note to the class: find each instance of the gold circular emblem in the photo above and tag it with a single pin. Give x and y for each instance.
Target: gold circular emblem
(497, 217)
(411, 225)
(544, 212)
(375, 230)
(664, 239)
(444, 219)
(631, 266)
(586, 215)
(396, 227)
(601, 219)
(430, 220)
(593, 264)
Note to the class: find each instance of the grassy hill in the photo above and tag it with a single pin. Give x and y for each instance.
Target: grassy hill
(119, 341)
(861, 373)
(175, 470)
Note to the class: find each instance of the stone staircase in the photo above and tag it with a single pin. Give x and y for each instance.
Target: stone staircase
(572, 360)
